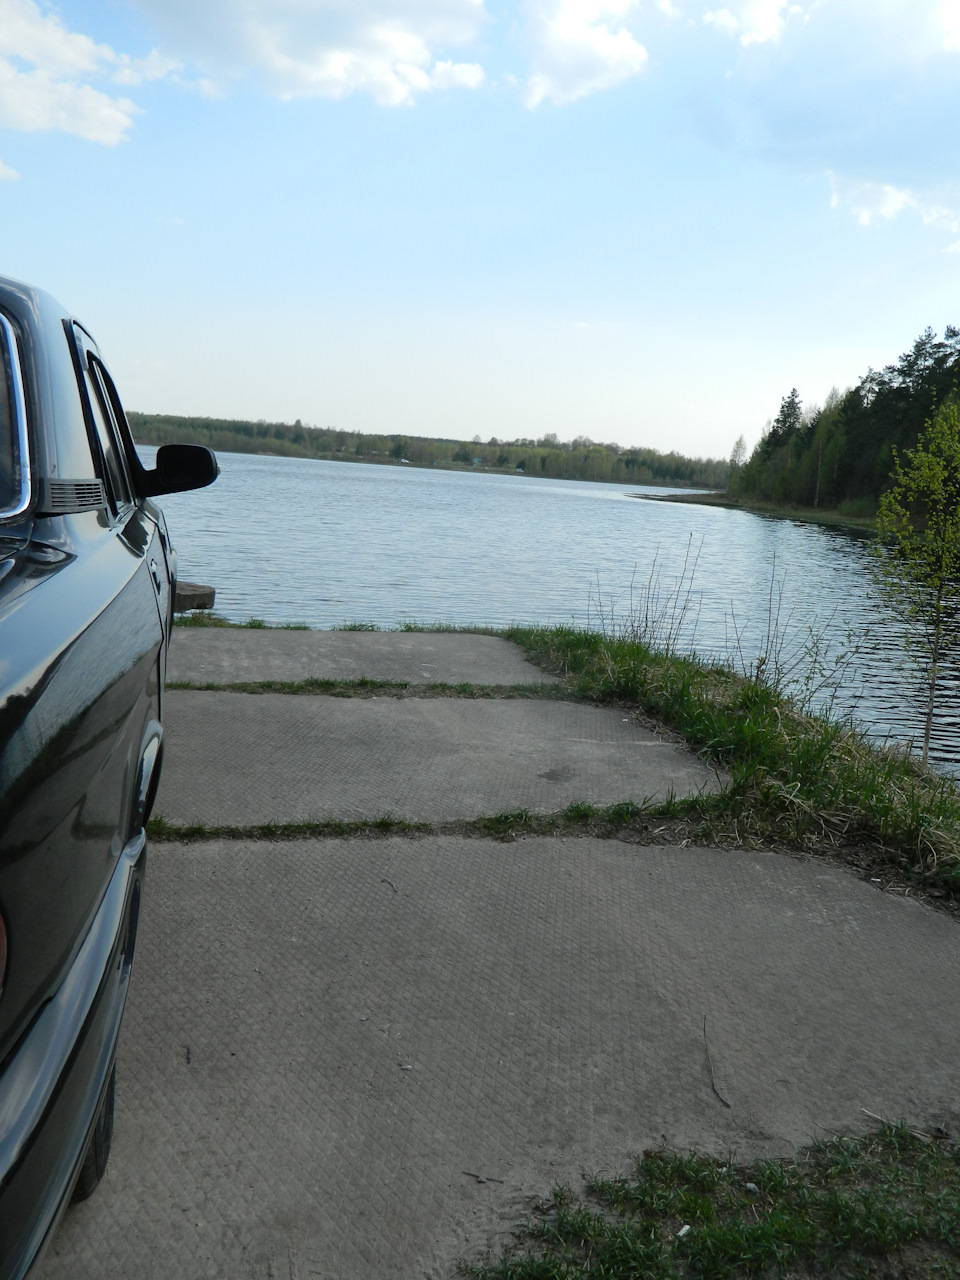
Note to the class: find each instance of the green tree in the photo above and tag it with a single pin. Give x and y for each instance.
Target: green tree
(789, 421)
(918, 523)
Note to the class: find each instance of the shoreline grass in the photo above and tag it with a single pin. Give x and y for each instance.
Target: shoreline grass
(796, 779)
(850, 520)
(208, 618)
(883, 1205)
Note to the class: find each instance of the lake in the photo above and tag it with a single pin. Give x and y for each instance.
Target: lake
(328, 543)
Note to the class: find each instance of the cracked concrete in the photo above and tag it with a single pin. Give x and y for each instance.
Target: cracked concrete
(221, 655)
(239, 759)
(327, 1041)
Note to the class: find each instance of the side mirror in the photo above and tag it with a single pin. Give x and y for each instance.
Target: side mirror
(180, 467)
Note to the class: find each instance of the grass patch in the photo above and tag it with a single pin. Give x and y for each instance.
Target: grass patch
(204, 618)
(795, 779)
(850, 515)
(362, 688)
(366, 688)
(445, 628)
(649, 822)
(884, 1205)
(161, 831)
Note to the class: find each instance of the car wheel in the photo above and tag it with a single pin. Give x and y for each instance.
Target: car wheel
(98, 1150)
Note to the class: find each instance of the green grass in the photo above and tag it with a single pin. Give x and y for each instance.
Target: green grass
(161, 831)
(366, 688)
(204, 618)
(795, 779)
(411, 624)
(647, 822)
(851, 515)
(884, 1205)
(362, 688)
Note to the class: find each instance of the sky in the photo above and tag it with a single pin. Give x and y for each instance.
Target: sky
(641, 221)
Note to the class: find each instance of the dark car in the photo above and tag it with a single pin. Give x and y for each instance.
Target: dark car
(87, 583)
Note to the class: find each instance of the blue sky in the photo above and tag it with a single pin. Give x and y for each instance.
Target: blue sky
(636, 221)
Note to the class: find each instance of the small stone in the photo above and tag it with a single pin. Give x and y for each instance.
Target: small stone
(752, 1189)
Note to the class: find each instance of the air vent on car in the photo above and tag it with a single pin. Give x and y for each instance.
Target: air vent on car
(62, 497)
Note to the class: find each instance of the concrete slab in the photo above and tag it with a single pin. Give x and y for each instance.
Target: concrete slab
(220, 655)
(325, 1040)
(238, 758)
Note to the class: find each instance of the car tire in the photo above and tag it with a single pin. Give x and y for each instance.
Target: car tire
(98, 1149)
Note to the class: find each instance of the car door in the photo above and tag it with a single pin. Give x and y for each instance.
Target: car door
(158, 553)
(81, 635)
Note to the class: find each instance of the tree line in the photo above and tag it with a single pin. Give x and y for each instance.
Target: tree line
(580, 459)
(840, 455)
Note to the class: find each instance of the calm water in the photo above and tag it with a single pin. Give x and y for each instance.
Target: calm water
(292, 540)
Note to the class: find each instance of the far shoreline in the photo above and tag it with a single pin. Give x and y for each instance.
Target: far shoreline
(805, 515)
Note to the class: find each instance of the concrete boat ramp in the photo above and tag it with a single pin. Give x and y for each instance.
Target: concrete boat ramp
(366, 1057)
(239, 759)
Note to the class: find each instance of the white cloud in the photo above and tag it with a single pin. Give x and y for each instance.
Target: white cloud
(938, 215)
(950, 24)
(755, 21)
(34, 100)
(42, 40)
(389, 49)
(762, 20)
(457, 75)
(580, 49)
(7, 174)
(134, 71)
(723, 19)
(45, 71)
(868, 201)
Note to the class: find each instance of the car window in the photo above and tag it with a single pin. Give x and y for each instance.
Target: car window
(124, 434)
(118, 480)
(8, 427)
(112, 395)
(14, 467)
